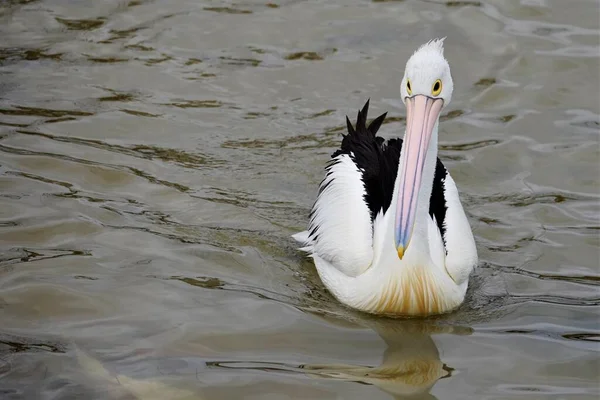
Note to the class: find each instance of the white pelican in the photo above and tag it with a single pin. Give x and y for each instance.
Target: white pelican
(387, 232)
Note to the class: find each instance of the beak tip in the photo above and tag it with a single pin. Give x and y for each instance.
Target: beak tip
(400, 251)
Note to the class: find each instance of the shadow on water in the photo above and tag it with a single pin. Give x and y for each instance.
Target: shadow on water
(410, 365)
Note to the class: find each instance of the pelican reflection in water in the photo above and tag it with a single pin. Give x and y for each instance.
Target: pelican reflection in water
(411, 363)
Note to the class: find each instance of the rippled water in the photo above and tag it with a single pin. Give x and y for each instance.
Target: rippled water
(156, 156)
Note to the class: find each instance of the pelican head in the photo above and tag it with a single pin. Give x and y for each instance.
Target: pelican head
(426, 89)
(426, 67)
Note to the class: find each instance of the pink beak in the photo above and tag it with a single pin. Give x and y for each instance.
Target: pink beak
(422, 113)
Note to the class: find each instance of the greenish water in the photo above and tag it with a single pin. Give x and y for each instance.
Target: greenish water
(156, 156)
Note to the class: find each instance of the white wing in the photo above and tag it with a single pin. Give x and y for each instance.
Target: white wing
(461, 255)
(340, 228)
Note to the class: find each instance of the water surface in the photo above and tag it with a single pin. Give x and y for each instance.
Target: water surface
(156, 156)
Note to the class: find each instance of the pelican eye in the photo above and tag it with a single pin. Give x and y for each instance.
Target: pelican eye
(408, 88)
(437, 88)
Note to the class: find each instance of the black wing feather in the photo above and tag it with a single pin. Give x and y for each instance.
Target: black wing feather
(378, 159)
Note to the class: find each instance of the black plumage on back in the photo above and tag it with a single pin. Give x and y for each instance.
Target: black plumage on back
(378, 159)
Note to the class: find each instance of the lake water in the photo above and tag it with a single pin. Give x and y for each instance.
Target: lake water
(156, 156)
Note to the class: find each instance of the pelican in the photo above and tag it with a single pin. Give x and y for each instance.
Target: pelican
(387, 232)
